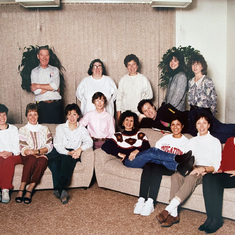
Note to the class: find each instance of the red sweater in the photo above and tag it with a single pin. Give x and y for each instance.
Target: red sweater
(228, 156)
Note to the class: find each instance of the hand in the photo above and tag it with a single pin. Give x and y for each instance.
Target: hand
(198, 171)
(122, 156)
(34, 87)
(232, 173)
(37, 156)
(133, 154)
(5, 154)
(30, 152)
(75, 153)
(43, 91)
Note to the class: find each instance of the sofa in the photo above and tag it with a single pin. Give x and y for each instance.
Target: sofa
(83, 171)
(112, 174)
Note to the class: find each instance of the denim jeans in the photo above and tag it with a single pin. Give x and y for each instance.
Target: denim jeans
(154, 155)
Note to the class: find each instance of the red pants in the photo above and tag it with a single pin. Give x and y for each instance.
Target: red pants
(7, 168)
(33, 168)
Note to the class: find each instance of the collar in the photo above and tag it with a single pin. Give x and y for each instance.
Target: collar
(33, 128)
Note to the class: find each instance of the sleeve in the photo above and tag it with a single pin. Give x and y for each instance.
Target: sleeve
(87, 142)
(111, 126)
(15, 141)
(55, 79)
(24, 141)
(113, 90)
(59, 140)
(85, 120)
(34, 79)
(217, 155)
(178, 93)
(148, 93)
(81, 90)
(111, 147)
(145, 143)
(212, 96)
(49, 144)
(120, 94)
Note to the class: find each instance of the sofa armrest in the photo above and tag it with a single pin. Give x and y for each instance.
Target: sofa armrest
(87, 158)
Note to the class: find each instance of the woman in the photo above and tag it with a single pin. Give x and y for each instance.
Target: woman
(100, 124)
(177, 87)
(152, 173)
(207, 152)
(201, 94)
(70, 140)
(9, 153)
(213, 188)
(130, 144)
(96, 81)
(35, 143)
(132, 88)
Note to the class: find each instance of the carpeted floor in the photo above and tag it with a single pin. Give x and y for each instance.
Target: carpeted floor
(92, 211)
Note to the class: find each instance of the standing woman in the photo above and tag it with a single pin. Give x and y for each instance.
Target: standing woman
(96, 81)
(132, 88)
(35, 142)
(70, 140)
(178, 83)
(213, 188)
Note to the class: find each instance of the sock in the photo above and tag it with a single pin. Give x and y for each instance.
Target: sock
(150, 200)
(141, 199)
(173, 204)
(174, 213)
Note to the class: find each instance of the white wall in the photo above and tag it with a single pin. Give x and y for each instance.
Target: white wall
(203, 25)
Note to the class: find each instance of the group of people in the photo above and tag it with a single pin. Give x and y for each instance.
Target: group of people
(190, 162)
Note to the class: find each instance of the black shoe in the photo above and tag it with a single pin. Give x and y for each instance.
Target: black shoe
(204, 226)
(20, 199)
(182, 158)
(186, 167)
(214, 226)
(28, 200)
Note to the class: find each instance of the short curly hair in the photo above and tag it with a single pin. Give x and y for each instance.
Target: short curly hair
(126, 114)
(131, 57)
(198, 58)
(3, 109)
(92, 64)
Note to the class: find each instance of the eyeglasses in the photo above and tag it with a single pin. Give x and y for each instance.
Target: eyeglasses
(97, 66)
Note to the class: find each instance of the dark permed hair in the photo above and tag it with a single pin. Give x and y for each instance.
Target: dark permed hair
(142, 103)
(71, 107)
(126, 114)
(92, 64)
(3, 109)
(131, 57)
(179, 56)
(197, 57)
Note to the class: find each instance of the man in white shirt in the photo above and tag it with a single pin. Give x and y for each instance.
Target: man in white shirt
(45, 84)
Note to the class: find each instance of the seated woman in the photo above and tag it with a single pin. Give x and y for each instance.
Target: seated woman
(178, 83)
(35, 143)
(69, 142)
(100, 124)
(9, 153)
(152, 173)
(132, 146)
(207, 152)
(213, 188)
(133, 87)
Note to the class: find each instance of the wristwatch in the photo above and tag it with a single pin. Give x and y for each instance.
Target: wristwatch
(38, 151)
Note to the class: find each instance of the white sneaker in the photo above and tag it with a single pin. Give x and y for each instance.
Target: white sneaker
(5, 196)
(148, 208)
(139, 206)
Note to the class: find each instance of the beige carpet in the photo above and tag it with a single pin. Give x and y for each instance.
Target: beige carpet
(92, 211)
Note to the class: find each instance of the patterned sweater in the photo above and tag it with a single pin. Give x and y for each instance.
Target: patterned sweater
(126, 142)
(35, 137)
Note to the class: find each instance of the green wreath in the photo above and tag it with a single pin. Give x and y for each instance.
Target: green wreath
(30, 61)
(187, 53)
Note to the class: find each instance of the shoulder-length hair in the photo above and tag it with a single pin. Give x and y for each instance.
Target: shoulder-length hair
(92, 64)
(179, 56)
(198, 58)
(126, 114)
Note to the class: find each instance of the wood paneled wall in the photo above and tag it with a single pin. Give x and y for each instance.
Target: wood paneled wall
(80, 33)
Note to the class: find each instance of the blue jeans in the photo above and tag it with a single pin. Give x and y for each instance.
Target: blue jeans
(154, 155)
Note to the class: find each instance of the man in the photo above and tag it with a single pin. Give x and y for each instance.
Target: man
(160, 119)
(45, 84)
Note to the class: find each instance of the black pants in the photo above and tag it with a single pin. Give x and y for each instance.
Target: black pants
(151, 179)
(62, 167)
(51, 112)
(213, 191)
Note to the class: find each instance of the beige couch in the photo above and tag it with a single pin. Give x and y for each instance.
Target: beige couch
(82, 175)
(112, 174)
